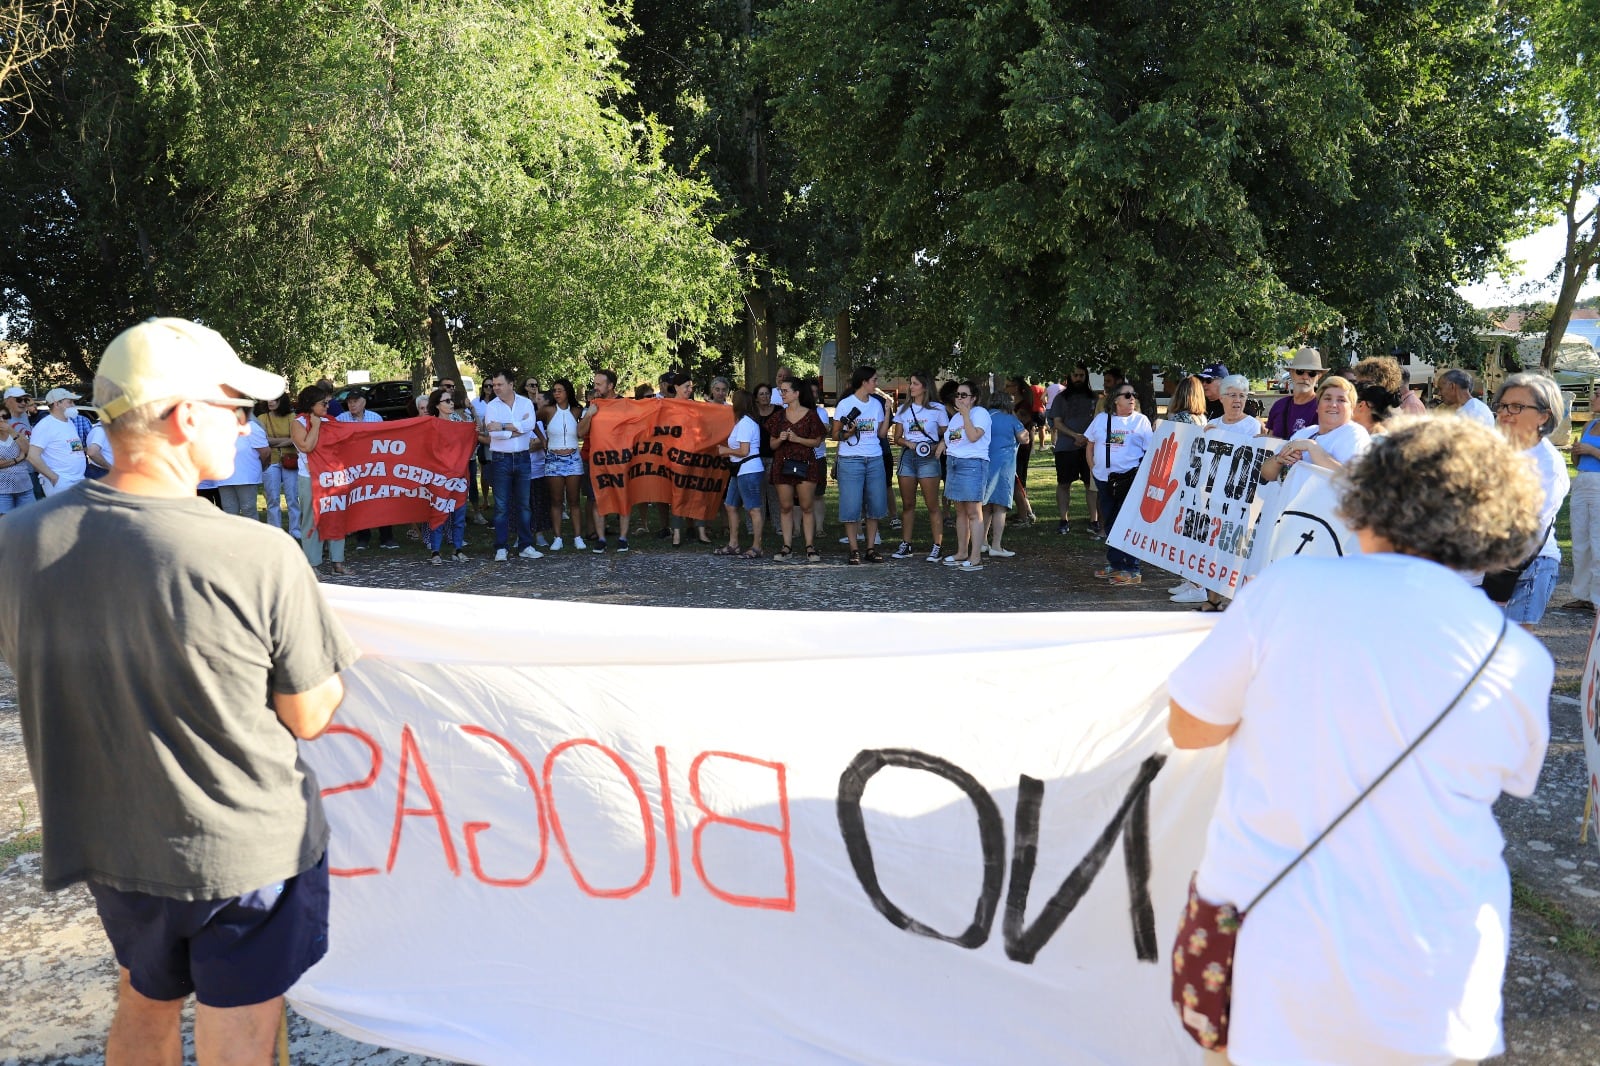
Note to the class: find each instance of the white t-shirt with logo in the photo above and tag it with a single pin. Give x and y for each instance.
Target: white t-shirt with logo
(1243, 429)
(862, 441)
(921, 423)
(958, 441)
(1130, 439)
(748, 431)
(63, 452)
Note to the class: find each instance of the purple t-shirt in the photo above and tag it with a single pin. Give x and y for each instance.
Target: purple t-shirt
(1288, 418)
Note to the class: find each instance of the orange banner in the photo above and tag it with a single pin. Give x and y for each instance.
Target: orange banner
(370, 474)
(659, 451)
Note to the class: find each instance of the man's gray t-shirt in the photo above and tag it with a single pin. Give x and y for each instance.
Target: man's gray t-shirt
(1076, 411)
(147, 636)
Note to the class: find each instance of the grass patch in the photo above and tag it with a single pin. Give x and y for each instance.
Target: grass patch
(1571, 936)
(21, 844)
(1570, 686)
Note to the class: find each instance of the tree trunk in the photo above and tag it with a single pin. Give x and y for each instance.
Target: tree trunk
(444, 352)
(759, 355)
(1144, 385)
(844, 363)
(1577, 264)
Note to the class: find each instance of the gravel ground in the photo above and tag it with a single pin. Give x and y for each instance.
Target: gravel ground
(57, 976)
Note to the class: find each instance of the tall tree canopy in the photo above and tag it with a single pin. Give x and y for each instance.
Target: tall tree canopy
(407, 177)
(1162, 184)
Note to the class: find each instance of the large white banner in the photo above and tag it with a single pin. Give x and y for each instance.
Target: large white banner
(571, 833)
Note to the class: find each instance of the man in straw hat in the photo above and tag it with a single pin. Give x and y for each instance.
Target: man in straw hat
(161, 727)
(1298, 409)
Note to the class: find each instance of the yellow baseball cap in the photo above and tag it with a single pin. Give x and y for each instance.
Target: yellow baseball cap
(175, 359)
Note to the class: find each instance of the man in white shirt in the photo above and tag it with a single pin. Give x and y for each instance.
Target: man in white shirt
(509, 420)
(1455, 392)
(55, 449)
(356, 411)
(603, 389)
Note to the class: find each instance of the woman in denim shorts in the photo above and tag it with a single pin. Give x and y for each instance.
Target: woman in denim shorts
(743, 450)
(918, 426)
(966, 445)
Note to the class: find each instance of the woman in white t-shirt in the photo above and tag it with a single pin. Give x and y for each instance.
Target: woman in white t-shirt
(966, 448)
(743, 451)
(304, 432)
(1335, 440)
(1117, 441)
(1387, 943)
(240, 490)
(1528, 408)
(1234, 391)
(918, 425)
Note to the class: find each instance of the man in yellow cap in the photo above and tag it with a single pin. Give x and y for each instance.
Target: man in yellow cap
(161, 727)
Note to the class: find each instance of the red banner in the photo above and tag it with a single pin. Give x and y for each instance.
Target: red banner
(370, 474)
(659, 451)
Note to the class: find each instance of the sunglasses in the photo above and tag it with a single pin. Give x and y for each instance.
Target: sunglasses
(448, 400)
(1127, 395)
(1305, 373)
(964, 396)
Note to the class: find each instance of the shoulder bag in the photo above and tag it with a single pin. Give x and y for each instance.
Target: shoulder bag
(1202, 955)
(1119, 484)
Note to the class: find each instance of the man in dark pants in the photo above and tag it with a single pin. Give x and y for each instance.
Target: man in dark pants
(161, 725)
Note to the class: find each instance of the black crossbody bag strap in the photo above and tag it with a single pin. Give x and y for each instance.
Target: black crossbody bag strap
(1473, 680)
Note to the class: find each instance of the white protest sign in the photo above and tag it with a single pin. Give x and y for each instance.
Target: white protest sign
(1191, 506)
(590, 834)
(1300, 517)
(1589, 695)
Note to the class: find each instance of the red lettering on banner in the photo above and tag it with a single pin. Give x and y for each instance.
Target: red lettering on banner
(784, 902)
(645, 817)
(471, 829)
(408, 752)
(353, 786)
(668, 822)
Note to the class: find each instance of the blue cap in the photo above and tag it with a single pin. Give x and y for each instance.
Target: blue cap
(1214, 372)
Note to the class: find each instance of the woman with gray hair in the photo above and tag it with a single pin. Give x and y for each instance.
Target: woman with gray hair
(1410, 891)
(1528, 408)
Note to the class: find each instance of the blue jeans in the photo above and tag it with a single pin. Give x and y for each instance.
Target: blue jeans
(455, 525)
(511, 477)
(1109, 507)
(10, 501)
(1533, 589)
(863, 492)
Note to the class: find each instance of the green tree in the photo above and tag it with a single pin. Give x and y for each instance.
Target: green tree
(1166, 185)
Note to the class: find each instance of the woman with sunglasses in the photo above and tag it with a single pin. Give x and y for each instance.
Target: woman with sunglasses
(918, 426)
(1528, 408)
(442, 404)
(966, 448)
(311, 408)
(796, 431)
(1117, 440)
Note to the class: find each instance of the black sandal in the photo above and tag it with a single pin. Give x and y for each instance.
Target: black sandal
(874, 555)
(783, 553)
(812, 555)
(855, 558)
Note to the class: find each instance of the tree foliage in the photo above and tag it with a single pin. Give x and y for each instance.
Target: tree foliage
(1167, 184)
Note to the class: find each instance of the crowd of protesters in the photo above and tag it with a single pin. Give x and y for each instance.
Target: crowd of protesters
(964, 449)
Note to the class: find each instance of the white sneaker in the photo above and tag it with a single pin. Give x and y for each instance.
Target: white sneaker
(1192, 595)
(969, 567)
(499, 555)
(577, 542)
(1185, 586)
(983, 549)
(1002, 553)
(936, 554)
(556, 545)
(530, 552)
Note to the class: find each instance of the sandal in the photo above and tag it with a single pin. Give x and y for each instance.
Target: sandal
(338, 568)
(855, 558)
(725, 551)
(873, 555)
(1211, 608)
(784, 552)
(753, 553)
(812, 555)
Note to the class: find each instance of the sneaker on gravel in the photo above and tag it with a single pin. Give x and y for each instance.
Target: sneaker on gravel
(983, 549)
(1063, 527)
(435, 560)
(1106, 573)
(1125, 577)
(1002, 553)
(530, 552)
(970, 567)
(599, 547)
(1194, 595)
(577, 542)
(557, 544)
(461, 556)
(622, 545)
(499, 555)
(1095, 532)
(936, 554)
(902, 552)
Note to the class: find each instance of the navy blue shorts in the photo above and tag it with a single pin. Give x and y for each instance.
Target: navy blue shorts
(229, 952)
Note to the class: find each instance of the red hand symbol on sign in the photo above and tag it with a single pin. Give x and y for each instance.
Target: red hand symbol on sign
(1162, 484)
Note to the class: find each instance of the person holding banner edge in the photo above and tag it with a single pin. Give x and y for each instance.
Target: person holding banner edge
(1117, 440)
(202, 838)
(311, 408)
(1387, 940)
(442, 404)
(1332, 442)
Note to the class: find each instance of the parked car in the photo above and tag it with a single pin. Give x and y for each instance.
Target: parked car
(391, 399)
(1280, 380)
